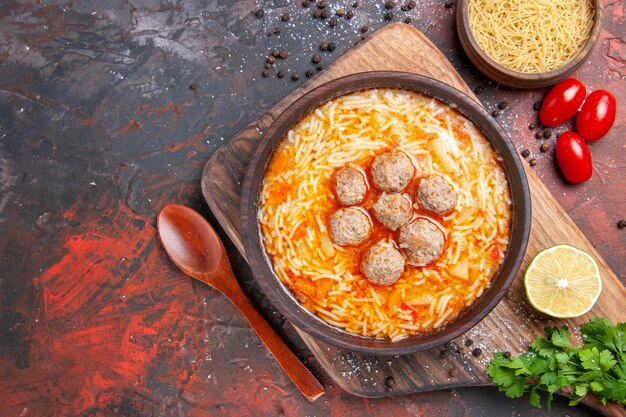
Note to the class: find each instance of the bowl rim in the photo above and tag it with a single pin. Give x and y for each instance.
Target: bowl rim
(282, 298)
(504, 75)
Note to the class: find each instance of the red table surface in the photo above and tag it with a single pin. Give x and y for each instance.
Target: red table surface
(108, 111)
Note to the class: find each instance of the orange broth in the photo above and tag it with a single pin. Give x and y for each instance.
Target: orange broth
(297, 199)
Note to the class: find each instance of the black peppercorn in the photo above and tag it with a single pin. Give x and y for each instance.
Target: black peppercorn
(325, 14)
(410, 5)
(532, 126)
(533, 162)
(276, 53)
(308, 73)
(331, 46)
(259, 13)
(323, 46)
(389, 381)
(332, 22)
(268, 65)
(544, 147)
(340, 12)
(266, 73)
(317, 14)
(322, 4)
(284, 54)
(479, 89)
(443, 354)
(285, 17)
(452, 372)
(477, 352)
(271, 59)
(453, 347)
(495, 113)
(388, 16)
(193, 86)
(539, 135)
(390, 4)
(280, 74)
(306, 3)
(349, 14)
(537, 105)
(621, 224)
(469, 342)
(357, 3)
(277, 30)
(547, 134)
(295, 76)
(316, 58)
(507, 354)
(320, 67)
(502, 105)
(525, 153)
(364, 29)
(448, 4)
(407, 20)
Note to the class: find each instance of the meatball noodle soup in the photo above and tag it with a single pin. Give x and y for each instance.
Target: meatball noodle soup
(385, 212)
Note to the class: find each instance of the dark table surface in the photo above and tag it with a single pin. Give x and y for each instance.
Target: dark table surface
(108, 111)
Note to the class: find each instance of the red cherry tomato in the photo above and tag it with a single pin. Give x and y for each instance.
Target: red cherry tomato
(562, 102)
(596, 116)
(574, 158)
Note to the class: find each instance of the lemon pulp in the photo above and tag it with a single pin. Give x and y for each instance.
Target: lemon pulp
(563, 282)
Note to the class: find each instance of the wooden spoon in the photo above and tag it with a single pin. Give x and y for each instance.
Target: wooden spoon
(193, 245)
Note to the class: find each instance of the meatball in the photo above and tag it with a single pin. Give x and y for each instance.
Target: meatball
(350, 186)
(391, 172)
(436, 195)
(421, 242)
(350, 226)
(382, 263)
(393, 210)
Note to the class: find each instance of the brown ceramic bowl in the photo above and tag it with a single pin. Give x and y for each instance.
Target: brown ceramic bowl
(280, 295)
(518, 79)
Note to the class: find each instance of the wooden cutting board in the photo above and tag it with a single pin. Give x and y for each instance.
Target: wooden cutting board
(509, 327)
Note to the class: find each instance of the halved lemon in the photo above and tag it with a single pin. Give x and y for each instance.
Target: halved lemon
(563, 282)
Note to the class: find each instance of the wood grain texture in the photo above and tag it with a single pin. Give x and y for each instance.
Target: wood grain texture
(519, 79)
(509, 327)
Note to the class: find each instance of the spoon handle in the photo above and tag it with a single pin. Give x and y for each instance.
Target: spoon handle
(299, 374)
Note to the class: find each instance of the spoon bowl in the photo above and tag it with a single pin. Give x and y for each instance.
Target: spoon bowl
(194, 246)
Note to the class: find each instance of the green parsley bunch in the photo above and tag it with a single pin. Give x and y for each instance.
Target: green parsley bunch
(551, 363)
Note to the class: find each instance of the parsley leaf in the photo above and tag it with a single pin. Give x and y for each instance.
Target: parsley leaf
(534, 398)
(606, 360)
(594, 360)
(516, 389)
(614, 390)
(551, 363)
(502, 376)
(543, 347)
(560, 337)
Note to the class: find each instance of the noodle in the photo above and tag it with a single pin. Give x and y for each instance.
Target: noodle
(531, 36)
(326, 278)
